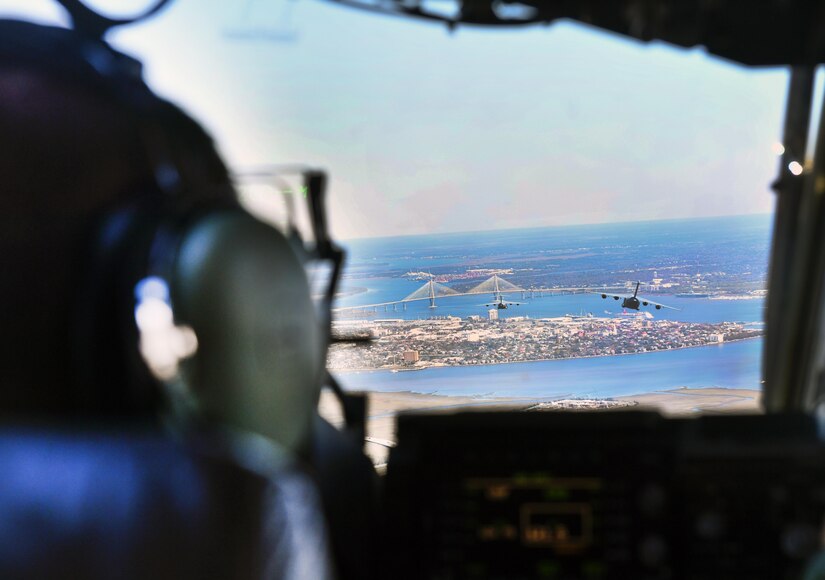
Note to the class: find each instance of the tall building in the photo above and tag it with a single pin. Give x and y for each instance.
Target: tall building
(493, 313)
(411, 356)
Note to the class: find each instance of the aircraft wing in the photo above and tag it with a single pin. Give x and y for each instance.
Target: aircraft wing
(609, 295)
(642, 299)
(645, 300)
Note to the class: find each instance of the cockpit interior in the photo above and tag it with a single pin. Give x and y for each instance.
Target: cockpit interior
(426, 289)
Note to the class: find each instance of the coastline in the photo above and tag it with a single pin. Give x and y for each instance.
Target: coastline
(735, 297)
(383, 407)
(444, 366)
(688, 401)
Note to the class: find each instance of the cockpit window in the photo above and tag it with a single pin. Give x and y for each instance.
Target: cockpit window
(555, 219)
(544, 217)
(558, 219)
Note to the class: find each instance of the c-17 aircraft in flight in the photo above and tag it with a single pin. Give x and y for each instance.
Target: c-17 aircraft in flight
(498, 294)
(501, 304)
(635, 301)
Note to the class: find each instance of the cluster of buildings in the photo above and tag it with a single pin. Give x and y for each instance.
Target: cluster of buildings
(451, 341)
(581, 405)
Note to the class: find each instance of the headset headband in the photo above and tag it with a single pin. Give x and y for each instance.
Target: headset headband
(93, 24)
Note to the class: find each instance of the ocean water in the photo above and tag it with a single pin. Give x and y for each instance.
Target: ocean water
(721, 250)
(732, 365)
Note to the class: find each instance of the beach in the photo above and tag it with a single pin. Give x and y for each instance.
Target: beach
(383, 408)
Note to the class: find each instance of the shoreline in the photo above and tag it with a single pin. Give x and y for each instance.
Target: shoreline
(735, 297)
(446, 366)
(383, 407)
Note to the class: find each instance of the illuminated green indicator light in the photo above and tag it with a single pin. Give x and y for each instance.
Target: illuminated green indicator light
(547, 569)
(556, 493)
(593, 570)
(532, 478)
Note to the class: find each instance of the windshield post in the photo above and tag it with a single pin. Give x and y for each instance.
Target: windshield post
(788, 187)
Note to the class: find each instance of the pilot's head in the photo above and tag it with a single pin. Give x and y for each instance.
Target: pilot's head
(71, 153)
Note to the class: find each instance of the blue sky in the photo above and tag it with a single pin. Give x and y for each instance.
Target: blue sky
(424, 131)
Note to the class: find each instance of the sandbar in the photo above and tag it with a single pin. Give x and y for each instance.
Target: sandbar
(383, 408)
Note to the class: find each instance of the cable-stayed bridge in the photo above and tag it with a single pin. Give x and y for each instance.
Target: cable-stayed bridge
(495, 286)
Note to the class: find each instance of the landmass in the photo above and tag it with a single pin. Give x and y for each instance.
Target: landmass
(667, 257)
(384, 407)
(451, 341)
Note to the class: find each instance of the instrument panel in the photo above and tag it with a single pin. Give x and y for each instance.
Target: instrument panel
(597, 495)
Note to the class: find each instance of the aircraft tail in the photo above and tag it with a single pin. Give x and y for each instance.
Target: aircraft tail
(635, 292)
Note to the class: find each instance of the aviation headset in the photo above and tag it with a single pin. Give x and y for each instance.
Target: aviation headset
(133, 263)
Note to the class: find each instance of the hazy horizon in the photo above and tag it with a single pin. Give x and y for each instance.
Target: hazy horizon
(623, 222)
(423, 131)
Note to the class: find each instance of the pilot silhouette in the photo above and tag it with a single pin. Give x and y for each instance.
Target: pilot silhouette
(111, 467)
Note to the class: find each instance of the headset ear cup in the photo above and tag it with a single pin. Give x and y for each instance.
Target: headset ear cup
(260, 360)
(108, 370)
